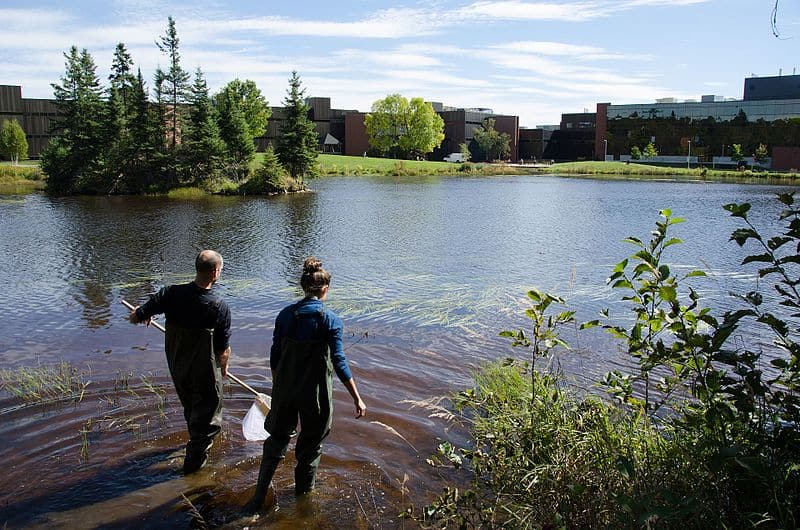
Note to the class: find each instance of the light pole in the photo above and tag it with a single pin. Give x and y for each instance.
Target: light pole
(689, 156)
(605, 149)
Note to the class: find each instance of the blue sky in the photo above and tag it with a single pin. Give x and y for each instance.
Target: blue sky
(535, 59)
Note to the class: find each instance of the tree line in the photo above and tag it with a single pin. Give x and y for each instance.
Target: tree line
(115, 139)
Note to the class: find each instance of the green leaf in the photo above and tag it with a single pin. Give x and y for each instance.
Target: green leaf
(673, 241)
(666, 212)
(622, 283)
(633, 240)
(777, 242)
(676, 220)
(738, 210)
(589, 325)
(741, 235)
(757, 257)
(695, 273)
(786, 198)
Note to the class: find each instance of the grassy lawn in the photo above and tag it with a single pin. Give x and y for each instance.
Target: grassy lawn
(621, 168)
(358, 165)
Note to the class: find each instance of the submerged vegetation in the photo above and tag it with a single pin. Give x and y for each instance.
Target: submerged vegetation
(45, 383)
(705, 434)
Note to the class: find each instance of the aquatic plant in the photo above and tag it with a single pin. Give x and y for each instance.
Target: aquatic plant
(45, 382)
(710, 439)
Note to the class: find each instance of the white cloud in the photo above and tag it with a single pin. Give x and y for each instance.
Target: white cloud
(519, 10)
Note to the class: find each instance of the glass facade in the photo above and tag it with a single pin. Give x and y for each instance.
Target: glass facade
(768, 110)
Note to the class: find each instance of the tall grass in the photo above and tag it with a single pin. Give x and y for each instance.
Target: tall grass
(42, 383)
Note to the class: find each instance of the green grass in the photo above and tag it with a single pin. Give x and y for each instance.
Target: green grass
(187, 193)
(44, 383)
(621, 168)
(563, 460)
(334, 165)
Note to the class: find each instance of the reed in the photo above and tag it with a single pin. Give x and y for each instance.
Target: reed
(45, 383)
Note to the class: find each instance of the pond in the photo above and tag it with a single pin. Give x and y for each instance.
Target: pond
(426, 273)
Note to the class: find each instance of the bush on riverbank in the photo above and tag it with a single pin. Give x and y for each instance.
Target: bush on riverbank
(706, 434)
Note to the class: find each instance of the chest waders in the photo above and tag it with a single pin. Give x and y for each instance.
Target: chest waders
(301, 387)
(197, 377)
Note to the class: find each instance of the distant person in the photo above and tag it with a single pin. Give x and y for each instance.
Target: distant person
(306, 349)
(198, 325)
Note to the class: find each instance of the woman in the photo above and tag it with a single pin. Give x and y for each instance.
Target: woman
(306, 349)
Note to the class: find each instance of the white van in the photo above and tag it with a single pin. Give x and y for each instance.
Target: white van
(454, 157)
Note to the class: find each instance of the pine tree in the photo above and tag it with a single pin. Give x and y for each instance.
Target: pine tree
(175, 79)
(73, 160)
(119, 152)
(297, 144)
(240, 148)
(202, 151)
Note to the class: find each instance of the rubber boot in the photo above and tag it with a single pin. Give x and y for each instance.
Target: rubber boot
(304, 479)
(265, 473)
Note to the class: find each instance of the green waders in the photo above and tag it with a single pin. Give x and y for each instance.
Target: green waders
(301, 388)
(197, 377)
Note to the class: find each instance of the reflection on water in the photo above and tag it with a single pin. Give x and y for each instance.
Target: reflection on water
(426, 272)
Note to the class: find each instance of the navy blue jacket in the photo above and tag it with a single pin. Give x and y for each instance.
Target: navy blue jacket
(332, 332)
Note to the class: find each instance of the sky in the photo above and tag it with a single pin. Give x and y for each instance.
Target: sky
(534, 59)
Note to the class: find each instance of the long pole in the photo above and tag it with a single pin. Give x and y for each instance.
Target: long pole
(230, 375)
(689, 156)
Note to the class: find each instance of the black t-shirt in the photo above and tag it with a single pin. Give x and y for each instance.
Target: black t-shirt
(190, 306)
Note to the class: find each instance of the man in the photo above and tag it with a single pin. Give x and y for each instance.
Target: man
(198, 325)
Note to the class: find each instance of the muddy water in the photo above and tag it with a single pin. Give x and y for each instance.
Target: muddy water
(425, 274)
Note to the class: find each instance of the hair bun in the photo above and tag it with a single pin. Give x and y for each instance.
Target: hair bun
(311, 265)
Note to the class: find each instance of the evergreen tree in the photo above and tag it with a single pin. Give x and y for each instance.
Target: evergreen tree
(297, 144)
(202, 150)
(146, 138)
(117, 156)
(240, 148)
(270, 177)
(174, 83)
(73, 158)
(13, 143)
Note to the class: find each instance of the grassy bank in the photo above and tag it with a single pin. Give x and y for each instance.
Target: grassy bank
(335, 165)
(644, 170)
(698, 434)
(20, 179)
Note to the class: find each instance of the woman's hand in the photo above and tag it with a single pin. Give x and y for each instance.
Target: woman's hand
(361, 407)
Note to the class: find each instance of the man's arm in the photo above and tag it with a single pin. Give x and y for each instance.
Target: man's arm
(154, 306)
(223, 358)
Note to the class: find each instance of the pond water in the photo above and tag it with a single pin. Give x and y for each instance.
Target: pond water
(426, 272)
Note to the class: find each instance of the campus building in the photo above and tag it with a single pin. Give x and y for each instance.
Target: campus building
(34, 115)
(703, 131)
(338, 130)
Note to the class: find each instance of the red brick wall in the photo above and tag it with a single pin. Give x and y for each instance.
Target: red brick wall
(510, 126)
(600, 130)
(356, 141)
(785, 158)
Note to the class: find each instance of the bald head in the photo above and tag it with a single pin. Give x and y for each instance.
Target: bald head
(208, 265)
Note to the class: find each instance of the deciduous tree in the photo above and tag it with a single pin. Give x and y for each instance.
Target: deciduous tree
(494, 144)
(13, 144)
(404, 128)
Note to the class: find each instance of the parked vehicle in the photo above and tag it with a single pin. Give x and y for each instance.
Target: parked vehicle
(454, 157)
